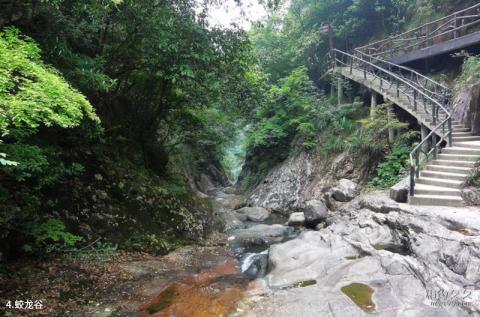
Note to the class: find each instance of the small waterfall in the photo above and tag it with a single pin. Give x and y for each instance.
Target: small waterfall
(254, 265)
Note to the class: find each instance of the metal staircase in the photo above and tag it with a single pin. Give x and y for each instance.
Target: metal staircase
(442, 161)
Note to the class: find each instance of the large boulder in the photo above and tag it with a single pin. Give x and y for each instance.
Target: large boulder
(399, 191)
(255, 214)
(231, 221)
(345, 190)
(296, 219)
(259, 236)
(315, 212)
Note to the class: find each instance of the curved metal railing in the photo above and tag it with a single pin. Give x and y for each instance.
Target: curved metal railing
(433, 88)
(432, 101)
(458, 24)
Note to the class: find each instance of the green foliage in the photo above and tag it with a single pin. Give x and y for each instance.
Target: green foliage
(52, 236)
(151, 243)
(288, 41)
(5, 162)
(470, 72)
(292, 109)
(31, 93)
(391, 170)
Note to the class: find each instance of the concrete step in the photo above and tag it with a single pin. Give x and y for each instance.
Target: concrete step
(448, 169)
(453, 163)
(471, 145)
(466, 138)
(460, 129)
(421, 189)
(439, 182)
(435, 200)
(458, 157)
(444, 175)
(461, 150)
(457, 134)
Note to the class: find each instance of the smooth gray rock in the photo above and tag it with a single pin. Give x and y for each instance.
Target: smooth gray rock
(444, 256)
(399, 191)
(344, 191)
(379, 204)
(260, 235)
(296, 219)
(315, 211)
(231, 222)
(255, 214)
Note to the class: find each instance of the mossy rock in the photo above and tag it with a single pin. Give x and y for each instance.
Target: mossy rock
(361, 295)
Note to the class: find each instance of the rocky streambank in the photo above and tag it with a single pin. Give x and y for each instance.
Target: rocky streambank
(375, 257)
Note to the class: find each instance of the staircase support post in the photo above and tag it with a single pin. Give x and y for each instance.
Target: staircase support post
(450, 132)
(390, 117)
(373, 103)
(424, 134)
(339, 91)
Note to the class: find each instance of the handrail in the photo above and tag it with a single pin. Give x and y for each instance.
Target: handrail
(443, 130)
(440, 30)
(396, 76)
(411, 74)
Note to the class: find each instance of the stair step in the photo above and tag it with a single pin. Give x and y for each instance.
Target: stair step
(461, 150)
(460, 129)
(471, 145)
(453, 163)
(447, 169)
(467, 138)
(436, 200)
(458, 157)
(456, 134)
(439, 182)
(443, 175)
(421, 189)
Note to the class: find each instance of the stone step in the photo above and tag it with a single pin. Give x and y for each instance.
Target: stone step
(461, 150)
(443, 175)
(421, 189)
(436, 200)
(452, 163)
(466, 138)
(439, 182)
(447, 168)
(458, 157)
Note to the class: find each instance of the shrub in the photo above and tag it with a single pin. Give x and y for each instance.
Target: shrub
(52, 236)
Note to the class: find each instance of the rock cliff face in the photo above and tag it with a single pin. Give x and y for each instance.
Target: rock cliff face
(466, 107)
(304, 177)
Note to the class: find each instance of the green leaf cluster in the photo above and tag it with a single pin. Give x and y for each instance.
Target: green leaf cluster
(33, 94)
